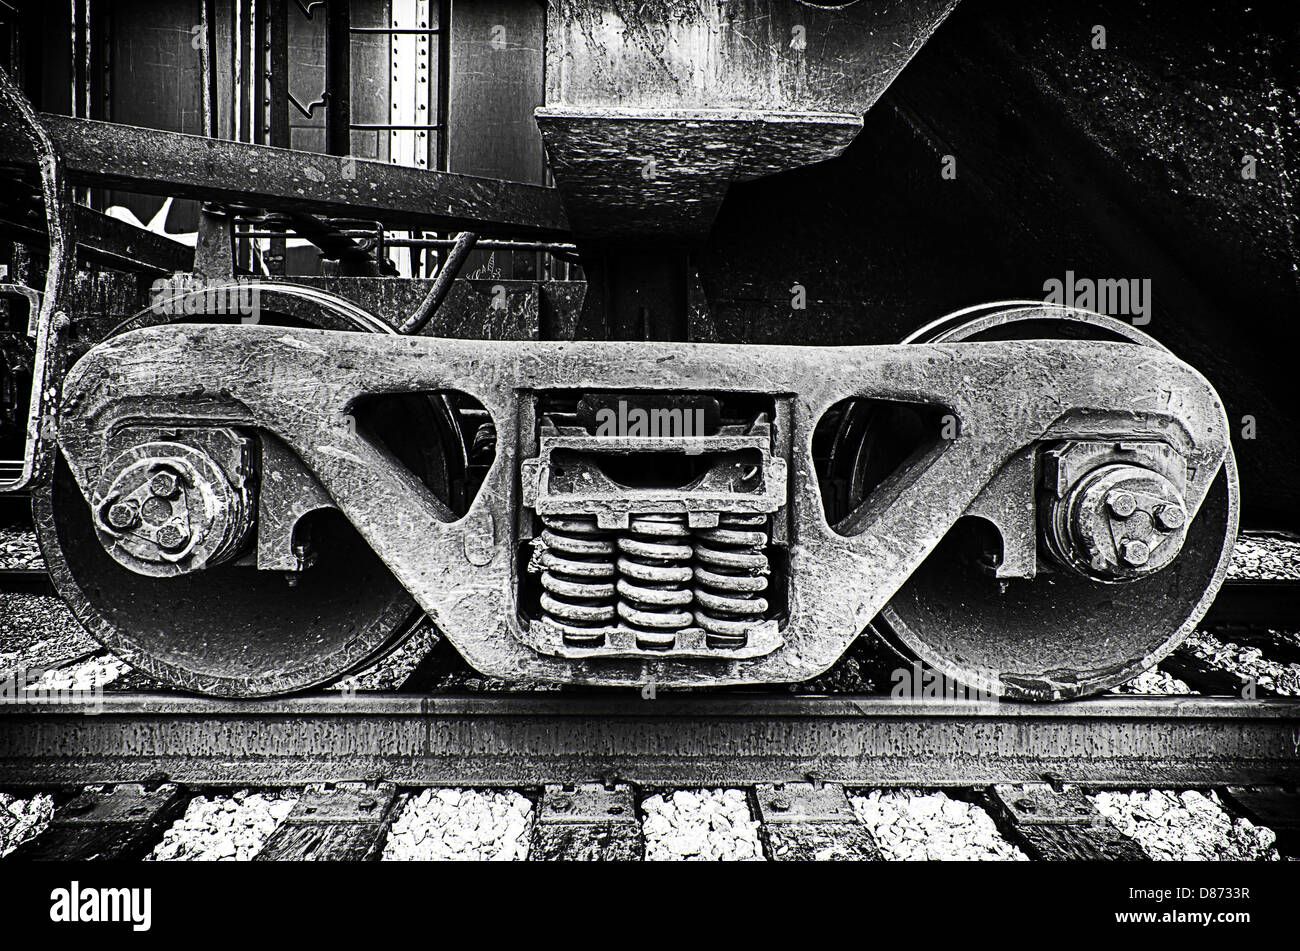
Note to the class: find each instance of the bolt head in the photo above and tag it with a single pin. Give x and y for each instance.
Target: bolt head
(122, 515)
(172, 537)
(1135, 552)
(1121, 502)
(1170, 517)
(164, 485)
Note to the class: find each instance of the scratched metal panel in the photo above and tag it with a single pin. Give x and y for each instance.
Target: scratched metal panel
(155, 84)
(497, 49)
(744, 54)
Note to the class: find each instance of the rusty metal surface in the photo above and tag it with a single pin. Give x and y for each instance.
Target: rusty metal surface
(791, 803)
(119, 823)
(519, 740)
(587, 822)
(1059, 825)
(48, 323)
(233, 628)
(298, 385)
(189, 166)
(654, 109)
(744, 54)
(964, 624)
(104, 240)
(334, 822)
(641, 176)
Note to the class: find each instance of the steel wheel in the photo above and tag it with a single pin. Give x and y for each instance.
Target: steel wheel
(232, 630)
(1059, 635)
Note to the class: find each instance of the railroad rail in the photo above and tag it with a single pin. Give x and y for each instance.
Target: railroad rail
(674, 740)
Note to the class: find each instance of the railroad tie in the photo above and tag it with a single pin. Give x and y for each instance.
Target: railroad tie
(1276, 807)
(121, 822)
(334, 822)
(587, 823)
(1051, 826)
(808, 822)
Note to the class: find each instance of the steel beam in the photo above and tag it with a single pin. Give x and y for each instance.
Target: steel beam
(154, 162)
(529, 739)
(108, 241)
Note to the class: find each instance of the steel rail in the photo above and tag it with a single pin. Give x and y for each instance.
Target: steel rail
(107, 154)
(677, 739)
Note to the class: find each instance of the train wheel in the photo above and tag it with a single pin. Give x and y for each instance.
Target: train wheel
(230, 629)
(1062, 634)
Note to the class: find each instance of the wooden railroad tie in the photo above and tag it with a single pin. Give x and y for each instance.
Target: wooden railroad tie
(334, 822)
(587, 823)
(119, 822)
(1053, 826)
(806, 822)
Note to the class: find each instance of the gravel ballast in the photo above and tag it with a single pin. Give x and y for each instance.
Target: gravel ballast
(1154, 682)
(1265, 557)
(22, 820)
(1189, 826)
(224, 828)
(38, 630)
(19, 549)
(910, 825)
(700, 825)
(88, 674)
(1245, 662)
(449, 824)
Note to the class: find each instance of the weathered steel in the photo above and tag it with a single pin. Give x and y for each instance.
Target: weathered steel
(957, 619)
(520, 740)
(107, 241)
(442, 284)
(48, 324)
(254, 626)
(189, 166)
(640, 177)
(299, 386)
(654, 109)
(743, 54)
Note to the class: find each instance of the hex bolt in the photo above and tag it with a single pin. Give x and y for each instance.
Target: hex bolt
(782, 803)
(172, 538)
(1135, 552)
(1122, 503)
(1170, 517)
(165, 485)
(122, 515)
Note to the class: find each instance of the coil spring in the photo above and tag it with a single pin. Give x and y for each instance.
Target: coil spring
(577, 561)
(654, 594)
(731, 569)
